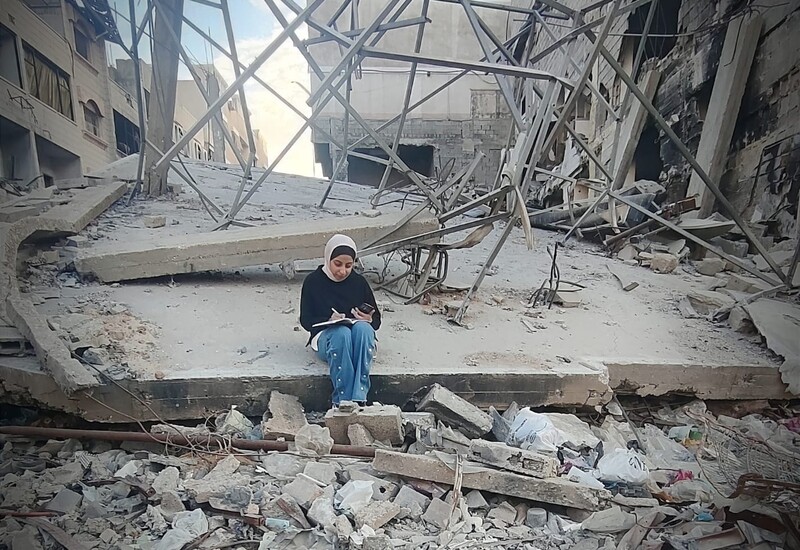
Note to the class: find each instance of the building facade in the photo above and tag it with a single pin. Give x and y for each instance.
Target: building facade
(448, 130)
(65, 112)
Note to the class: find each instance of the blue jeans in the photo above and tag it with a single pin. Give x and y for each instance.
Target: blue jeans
(349, 352)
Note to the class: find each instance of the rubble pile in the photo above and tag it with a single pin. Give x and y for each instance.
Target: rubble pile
(447, 475)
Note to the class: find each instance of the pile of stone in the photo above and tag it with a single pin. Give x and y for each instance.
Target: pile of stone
(445, 476)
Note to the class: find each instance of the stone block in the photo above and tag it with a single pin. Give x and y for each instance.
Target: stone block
(663, 263)
(711, 266)
(381, 488)
(475, 499)
(513, 459)
(286, 416)
(708, 301)
(322, 513)
(438, 513)
(734, 248)
(342, 527)
(377, 542)
(740, 321)
(504, 512)
(323, 472)
(383, 422)
(359, 436)
(553, 490)
(455, 411)
(376, 514)
(303, 491)
(78, 241)
(416, 503)
(417, 420)
(744, 283)
(65, 502)
(154, 222)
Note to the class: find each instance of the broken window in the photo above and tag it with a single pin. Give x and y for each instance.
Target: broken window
(197, 150)
(47, 83)
(9, 60)
(127, 135)
(662, 33)
(91, 117)
(83, 44)
(209, 152)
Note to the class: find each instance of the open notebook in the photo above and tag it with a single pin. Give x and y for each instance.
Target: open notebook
(347, 322)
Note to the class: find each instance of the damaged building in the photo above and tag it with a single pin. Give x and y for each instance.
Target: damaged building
(577, 221)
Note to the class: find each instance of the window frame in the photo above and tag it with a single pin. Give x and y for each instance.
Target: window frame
(93, 126)
(76, 30)
(35, 64)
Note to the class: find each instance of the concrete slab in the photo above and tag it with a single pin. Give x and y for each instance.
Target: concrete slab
(262, 245)
(737, 55)
(66, 219)
(704, 381)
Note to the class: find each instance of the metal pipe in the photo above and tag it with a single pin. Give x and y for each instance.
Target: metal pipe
(137, 74)
(412, 75)
(35, 432)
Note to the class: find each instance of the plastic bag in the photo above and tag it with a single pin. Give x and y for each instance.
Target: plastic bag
(534, 432)
(313, 440)
(354, 495)
(623, 465)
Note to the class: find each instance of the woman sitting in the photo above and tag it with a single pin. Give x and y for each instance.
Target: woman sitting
(334, 292)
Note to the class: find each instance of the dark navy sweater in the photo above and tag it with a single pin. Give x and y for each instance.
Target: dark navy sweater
(320, 294)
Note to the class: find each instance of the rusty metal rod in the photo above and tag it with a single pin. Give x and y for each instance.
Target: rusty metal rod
(107, 435)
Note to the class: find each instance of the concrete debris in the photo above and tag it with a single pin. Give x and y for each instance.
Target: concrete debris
(711, 266)
(154, 222)
(313, 440)
(286, 416)
(401, 499)
(663, 263)
(383, 422)
(706, 302)
(455, 411)
(513, 459)
(359, 436)
(778, 323)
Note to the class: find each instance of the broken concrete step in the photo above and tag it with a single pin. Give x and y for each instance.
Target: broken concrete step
(383, 422)
(12, 342)
(513, 459)
(455, 411)
(552, 490)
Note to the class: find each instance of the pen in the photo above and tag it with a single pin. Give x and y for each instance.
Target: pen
(335, 312)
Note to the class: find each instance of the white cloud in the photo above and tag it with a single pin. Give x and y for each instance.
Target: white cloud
(278, 124)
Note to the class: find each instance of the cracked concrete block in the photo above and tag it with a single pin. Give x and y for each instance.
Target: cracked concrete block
(711, 266)
(166, 480)
(321, 471)
(663, 263)
(456, 412)
(513, 459)
(286, 416)
(381, 488)
(382, 421)
(475, 499)
(376, 514)
(503, 512)
(553, 490)
(65, 502)
(303, 491)
(321, 512)
(359, 436)
(154, 222)
(438, 513)
(416, 503)
(740, 321)
(708, 301)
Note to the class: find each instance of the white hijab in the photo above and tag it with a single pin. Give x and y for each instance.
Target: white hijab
(335, 242)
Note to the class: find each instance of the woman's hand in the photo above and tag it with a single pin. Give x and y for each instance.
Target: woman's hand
(335, 316)
(360, 315)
